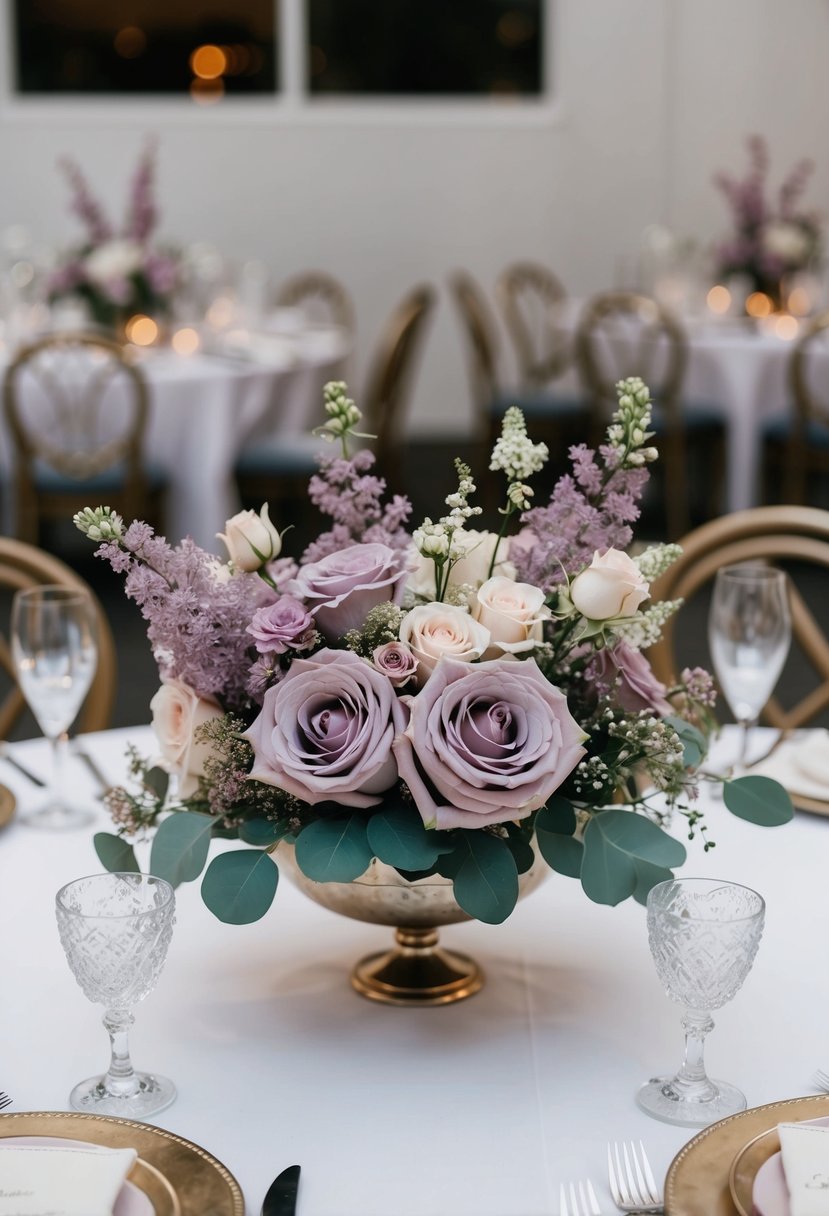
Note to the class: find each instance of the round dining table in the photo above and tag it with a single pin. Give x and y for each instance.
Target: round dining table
(482, 1108)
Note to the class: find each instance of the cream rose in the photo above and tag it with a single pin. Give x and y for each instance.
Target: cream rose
(611, 586)
(472, 568)
(177, 711)
(116, 259)
(433, 630)
(251, 539)
(514, 613)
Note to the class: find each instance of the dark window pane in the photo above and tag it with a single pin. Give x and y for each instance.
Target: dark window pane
(202, 48)
(415, 47)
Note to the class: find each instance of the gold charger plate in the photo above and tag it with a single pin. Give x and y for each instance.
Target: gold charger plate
(8, 803)
(698, 1181)
(180, 1178)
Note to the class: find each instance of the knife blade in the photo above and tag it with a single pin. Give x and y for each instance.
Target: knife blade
(21, 768)
(281, 1197)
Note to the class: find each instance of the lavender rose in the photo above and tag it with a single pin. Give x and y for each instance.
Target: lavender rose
(486, 744)
(325, 731)
(285, 625)
(396, 662)
(342, 588)
(629, 673)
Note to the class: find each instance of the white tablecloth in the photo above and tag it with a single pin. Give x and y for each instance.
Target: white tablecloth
(479, 1109)
(204, 408)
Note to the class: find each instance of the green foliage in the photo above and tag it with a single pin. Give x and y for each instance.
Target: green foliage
(262, 832)
(115, 854)
(157, 780)
(619, 846)
(486, 881)
(334, 849)
(693, 741)
(239, 886)
(758, 799)
(397, 837)
(555, 824)
(180, 846)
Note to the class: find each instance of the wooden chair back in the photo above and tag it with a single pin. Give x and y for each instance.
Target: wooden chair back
(764, 534)
(76, 406)
(391, 371)
(808, 372)
(322, 297)
(23, 566)
(481, 335)
(531, 299)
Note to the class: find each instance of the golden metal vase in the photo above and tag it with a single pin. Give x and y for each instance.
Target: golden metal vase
(416, 971)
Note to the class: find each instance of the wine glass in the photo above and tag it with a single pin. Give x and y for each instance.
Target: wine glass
(115, 930)
(703, 936)
(749, 633)
(53, 639)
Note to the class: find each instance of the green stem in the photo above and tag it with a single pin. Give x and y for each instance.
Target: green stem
(509, 512)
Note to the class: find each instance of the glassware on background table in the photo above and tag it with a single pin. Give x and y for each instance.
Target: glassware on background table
(703, 935)
(115, 930)
(749, 633)
(55, 652)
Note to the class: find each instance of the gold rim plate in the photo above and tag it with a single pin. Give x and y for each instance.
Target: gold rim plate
(179, 1177)
(8, 804)
(698, 1181)
(746, 1165)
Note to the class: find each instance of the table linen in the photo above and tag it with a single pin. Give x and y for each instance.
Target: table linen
(477, 1109)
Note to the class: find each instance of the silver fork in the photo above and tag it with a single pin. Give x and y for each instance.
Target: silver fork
(822, 1080)
(631, 1179)
(584, 1203)
(5, 1101)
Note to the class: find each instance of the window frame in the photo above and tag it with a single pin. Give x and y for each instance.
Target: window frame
(290, 104)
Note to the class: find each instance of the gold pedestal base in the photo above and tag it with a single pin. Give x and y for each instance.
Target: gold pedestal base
(417, 972)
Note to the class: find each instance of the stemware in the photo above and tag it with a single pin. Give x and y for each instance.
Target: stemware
(703, 936)
(53, 640)
(749, 633)
(115, 930)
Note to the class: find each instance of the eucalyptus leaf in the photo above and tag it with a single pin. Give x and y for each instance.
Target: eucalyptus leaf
(557, 816)
(239, 886)
(261, 832)
(180, 846)
(334, 849)
(158, 780)
(564, 854)
(614, 842)
(486, 885)
(115, 854)
(647, 876)
(692, 739)
(522, 851)
(398, 837)
(760, 800)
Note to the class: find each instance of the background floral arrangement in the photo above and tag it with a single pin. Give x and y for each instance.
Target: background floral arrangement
(117, 274)
(448, 701)
(769, 241)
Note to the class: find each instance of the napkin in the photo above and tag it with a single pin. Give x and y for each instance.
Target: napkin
(800, 764)
(805, 1151)
(50, 1180)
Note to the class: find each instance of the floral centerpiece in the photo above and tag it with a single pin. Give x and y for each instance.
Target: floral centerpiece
(454, 705)
(117, 274)
(770, 240)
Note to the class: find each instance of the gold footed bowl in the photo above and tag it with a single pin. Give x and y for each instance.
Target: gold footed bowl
(416, 971)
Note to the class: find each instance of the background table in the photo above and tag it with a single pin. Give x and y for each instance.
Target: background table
(478, 1109)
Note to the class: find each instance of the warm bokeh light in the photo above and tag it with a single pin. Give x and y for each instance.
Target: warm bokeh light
(786, 327)
(758, 304)
(719, 299)
(185, 341)
(130, 42)
(207, 92)
(141, 330)
(208, 62)
(220, 312)
(800, 303)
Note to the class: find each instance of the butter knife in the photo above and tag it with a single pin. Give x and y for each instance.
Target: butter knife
(281, 1197)
(21, 768)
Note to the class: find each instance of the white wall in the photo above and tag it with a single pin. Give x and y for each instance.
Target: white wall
(652, 97)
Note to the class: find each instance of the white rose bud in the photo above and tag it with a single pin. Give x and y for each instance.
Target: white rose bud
(251, 539)
(612, 586)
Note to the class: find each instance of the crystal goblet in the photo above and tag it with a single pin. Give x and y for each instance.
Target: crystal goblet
(115, 930)
(703, 936)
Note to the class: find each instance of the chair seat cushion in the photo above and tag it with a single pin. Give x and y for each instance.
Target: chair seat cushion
(780, 429)
(110, 480)
(286, 456)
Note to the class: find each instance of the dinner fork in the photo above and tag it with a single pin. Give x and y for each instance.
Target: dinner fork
(5, 1101)
(584, 1203)
(631, 1179)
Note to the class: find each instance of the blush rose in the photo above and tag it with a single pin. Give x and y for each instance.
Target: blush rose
(611, 586)
(177, 711)
(514, 613)
(434, 630)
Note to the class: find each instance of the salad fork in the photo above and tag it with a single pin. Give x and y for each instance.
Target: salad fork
(631, 1179)
(5, 1100)
(583, 1203)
